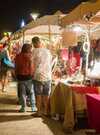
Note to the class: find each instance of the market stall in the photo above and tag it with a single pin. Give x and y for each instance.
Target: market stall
(47, 28)
(42, 26)
(83, 30)
(72, 88)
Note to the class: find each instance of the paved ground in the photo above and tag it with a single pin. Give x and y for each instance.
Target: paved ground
(14, 123)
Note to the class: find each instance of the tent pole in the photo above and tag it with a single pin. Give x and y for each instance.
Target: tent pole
(23, 35)
(49, 33)
(87, 55)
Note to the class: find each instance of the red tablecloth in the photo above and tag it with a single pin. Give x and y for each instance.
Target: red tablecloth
(85, 89)
(70, 100)
(93, 108)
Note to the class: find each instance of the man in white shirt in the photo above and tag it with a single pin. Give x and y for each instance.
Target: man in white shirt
(42, 60)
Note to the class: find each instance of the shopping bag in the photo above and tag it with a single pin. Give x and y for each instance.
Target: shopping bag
(8, 63)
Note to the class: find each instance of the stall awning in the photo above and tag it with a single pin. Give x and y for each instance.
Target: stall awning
(86, 9)
(48, 20)
(44, 29)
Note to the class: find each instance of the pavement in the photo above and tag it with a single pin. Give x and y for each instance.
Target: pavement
(14, 123)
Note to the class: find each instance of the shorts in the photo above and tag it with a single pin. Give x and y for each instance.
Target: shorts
(42, 88)
(3, 71)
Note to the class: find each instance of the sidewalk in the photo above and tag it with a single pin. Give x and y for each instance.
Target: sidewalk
(14, 123)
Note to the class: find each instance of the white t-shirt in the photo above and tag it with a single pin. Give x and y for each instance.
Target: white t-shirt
(42, 60)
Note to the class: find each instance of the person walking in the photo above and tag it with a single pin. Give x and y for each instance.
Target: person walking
(42, 59)
(24, 70)
(6, 66)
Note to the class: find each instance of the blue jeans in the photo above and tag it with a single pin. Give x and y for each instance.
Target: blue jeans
(26, 88)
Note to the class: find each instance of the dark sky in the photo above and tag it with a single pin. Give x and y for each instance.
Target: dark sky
(12, 11)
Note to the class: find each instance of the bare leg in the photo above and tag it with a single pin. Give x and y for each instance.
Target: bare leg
(39, 103)
(3, 82)
(46, 104)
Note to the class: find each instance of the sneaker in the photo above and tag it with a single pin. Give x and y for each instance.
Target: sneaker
(22, 110)
(34, 109)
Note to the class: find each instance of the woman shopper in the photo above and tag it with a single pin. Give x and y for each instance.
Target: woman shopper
(5, 66)
(24, 70)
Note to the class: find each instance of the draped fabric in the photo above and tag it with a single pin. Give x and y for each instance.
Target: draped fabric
(68, 100)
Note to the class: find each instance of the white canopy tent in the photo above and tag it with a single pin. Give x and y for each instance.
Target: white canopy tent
(46, 20)
(85, 10)
(87, 15)
(43, 30)
(46, 25)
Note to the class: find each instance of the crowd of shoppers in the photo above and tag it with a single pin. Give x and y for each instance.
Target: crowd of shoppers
(32, 70)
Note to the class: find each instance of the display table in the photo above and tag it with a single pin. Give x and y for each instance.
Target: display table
(67, 100)
(93, 108)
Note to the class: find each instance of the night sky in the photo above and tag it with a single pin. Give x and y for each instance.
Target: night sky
(13, 11)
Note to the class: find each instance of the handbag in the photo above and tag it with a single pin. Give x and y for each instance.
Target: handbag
(8, 63)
